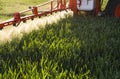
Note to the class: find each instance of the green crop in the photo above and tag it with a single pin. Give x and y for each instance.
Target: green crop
(74, 48)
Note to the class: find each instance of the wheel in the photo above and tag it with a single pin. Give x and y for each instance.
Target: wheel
(117, 11)
(111, 8)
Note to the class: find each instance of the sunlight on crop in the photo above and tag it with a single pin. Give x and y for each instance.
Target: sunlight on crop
(10, 32)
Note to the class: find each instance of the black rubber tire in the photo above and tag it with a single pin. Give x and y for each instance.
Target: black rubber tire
(111, 6)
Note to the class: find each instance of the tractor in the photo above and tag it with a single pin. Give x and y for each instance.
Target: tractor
(90, 6)
(112, 7)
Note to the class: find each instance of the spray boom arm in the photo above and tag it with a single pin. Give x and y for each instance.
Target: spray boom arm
(74, 5)
(35, 13)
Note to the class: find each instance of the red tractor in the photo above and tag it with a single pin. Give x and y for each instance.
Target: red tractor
(112, 7)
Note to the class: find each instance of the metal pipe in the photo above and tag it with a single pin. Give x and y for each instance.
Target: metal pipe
(36, 6)
(45, 3)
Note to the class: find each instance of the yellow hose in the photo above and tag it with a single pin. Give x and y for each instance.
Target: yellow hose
(104, 5)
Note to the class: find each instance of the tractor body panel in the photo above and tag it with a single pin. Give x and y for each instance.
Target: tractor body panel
(86, 5)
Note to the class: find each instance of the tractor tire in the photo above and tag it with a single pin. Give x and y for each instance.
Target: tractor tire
(111, 8)
(117, 11)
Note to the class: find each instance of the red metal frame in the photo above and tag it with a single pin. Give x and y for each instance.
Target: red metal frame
(98, 6)
(17, 16)
(73, 6)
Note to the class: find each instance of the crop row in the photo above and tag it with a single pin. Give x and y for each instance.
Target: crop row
(74, 48)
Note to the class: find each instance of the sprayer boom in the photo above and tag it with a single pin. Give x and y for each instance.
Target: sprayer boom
(36, 12)
(75, 5)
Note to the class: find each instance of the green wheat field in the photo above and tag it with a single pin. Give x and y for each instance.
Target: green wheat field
(79, 47)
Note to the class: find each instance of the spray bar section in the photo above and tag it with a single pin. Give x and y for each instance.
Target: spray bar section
(36, 12)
